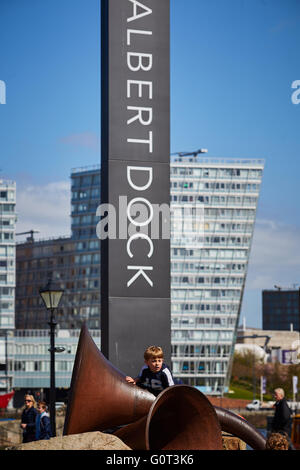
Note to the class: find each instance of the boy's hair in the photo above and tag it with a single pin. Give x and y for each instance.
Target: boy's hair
(42, 404)
(153, 352)
(277, 441)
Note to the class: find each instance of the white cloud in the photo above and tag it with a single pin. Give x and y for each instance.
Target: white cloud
(275, 255)
(274, 260)
(44, 208)
(88, 140)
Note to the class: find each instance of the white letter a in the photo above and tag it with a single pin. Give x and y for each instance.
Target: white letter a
(136, 4)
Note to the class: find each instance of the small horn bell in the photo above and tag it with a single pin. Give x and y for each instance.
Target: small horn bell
(100, 397)
(181, 418)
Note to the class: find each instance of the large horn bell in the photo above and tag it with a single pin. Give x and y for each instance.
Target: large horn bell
(100, 398)
(181, 418)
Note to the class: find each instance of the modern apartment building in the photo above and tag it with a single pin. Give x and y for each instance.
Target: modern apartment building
(29, 361)
(7, 253)
(72, 262)
(7, 273)
(208, 271)
(85, 198)
(37, 262)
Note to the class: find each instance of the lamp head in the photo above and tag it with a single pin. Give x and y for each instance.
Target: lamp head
(51, 295)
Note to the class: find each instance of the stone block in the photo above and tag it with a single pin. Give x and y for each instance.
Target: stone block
(85, 441)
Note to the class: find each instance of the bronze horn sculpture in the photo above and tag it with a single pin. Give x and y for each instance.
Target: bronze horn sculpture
(181, 418)
(100, 397)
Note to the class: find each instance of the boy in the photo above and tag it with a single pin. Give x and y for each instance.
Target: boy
(277, 441)
(43, 427)
(155, 376)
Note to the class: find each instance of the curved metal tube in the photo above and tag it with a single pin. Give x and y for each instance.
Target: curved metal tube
(181, 418)
(241, 428)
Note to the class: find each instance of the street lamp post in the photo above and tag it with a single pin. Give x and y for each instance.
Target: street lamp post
(5, 336)
(6, 360)
(51, 297)
(299, 318)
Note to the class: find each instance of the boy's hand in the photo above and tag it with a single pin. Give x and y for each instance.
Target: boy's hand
(130, 380)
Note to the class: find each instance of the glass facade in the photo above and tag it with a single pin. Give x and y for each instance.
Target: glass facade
(85, 198)
(281, 309)
(209, 267)
(7, 253)
(38, 261)
(30, 363)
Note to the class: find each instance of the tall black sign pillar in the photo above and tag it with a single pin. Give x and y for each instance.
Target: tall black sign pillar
(135, 179)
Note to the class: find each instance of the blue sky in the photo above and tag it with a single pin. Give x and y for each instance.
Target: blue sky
(232, 66)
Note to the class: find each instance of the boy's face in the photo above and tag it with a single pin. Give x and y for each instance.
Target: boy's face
(155, 363)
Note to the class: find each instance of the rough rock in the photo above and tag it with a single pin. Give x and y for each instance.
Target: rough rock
(233, 443)
(85, 441)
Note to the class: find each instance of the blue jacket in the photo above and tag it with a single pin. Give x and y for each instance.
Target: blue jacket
(155, 382)
(43, 427)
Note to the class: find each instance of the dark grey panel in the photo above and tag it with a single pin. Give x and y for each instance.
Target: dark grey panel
(157, 266)
(120, 75)
(140, 323)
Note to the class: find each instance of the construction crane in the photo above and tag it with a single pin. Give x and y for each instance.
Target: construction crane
(29, 239)
(257, 336)
(188, 154)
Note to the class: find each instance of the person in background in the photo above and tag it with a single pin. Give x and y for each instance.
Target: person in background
(282, 421)
(43, 426)
(28, 419)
